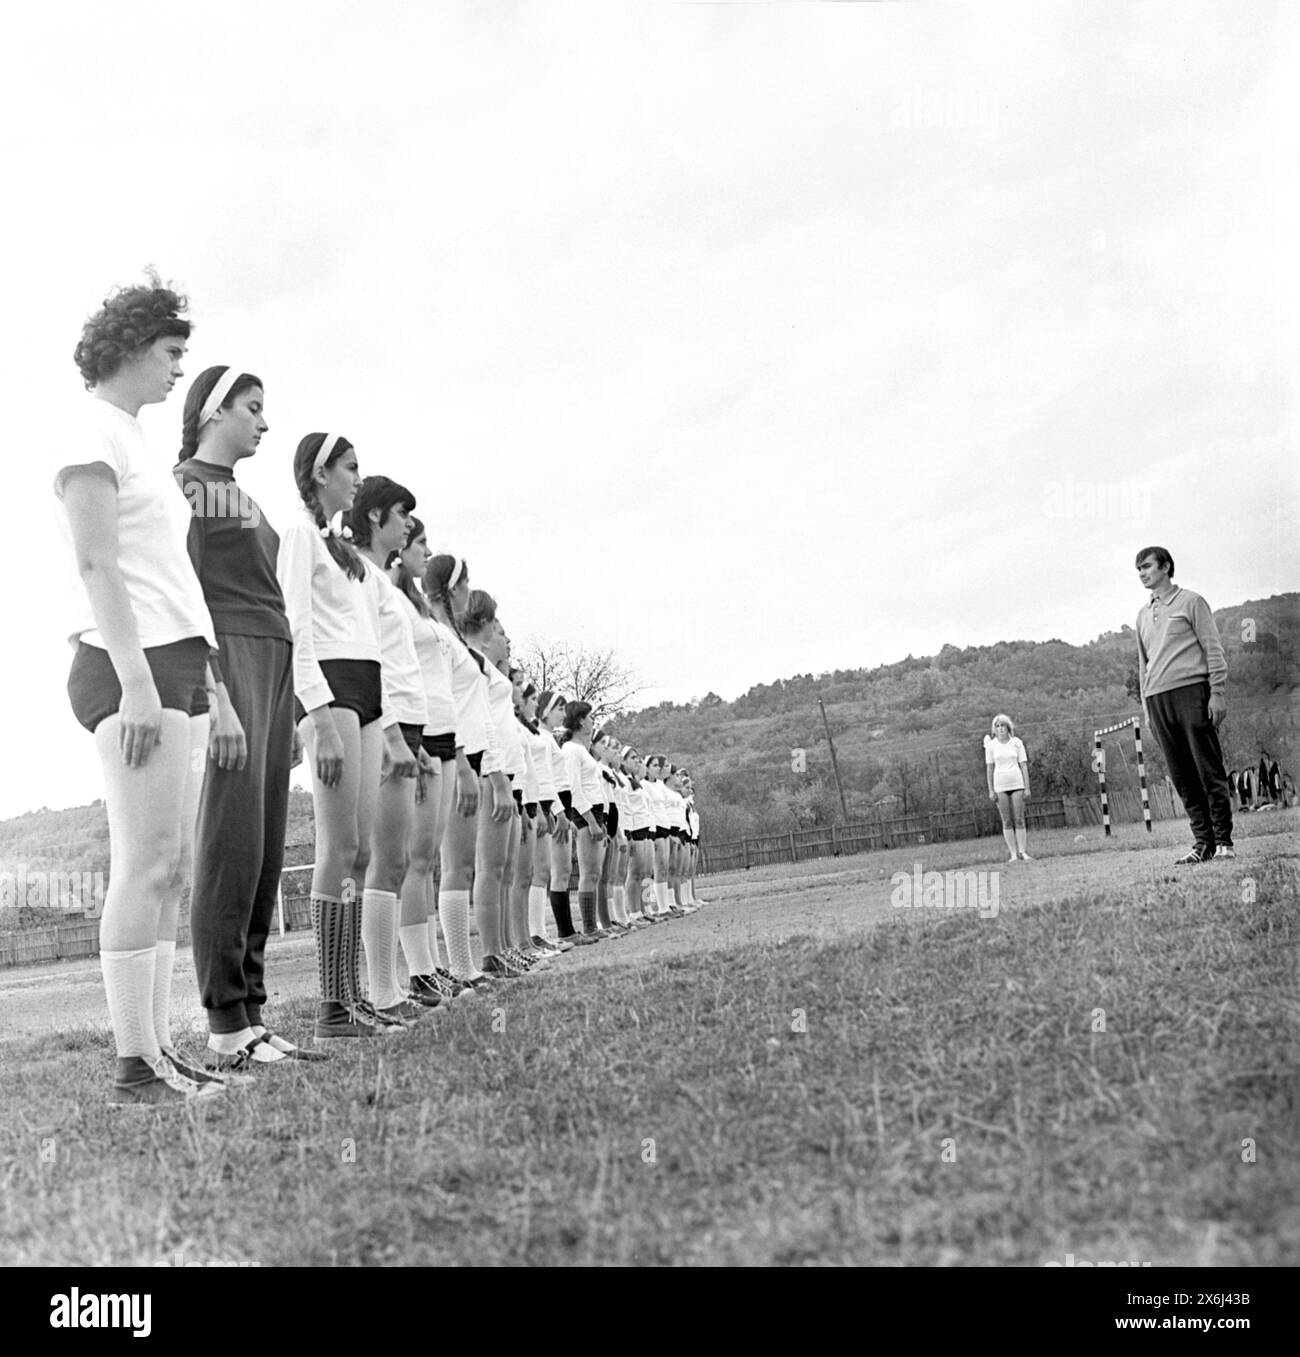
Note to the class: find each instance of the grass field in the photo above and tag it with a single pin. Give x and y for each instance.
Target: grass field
(800, 1073)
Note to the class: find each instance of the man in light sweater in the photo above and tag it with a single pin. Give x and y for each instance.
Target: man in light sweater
(1183, 675)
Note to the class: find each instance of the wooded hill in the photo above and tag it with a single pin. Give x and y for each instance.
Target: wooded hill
(908, 736)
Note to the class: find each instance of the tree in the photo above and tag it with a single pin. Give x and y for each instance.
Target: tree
(582, 674)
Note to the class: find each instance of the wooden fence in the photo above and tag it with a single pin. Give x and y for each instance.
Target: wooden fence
(865, 836)
(79, 937)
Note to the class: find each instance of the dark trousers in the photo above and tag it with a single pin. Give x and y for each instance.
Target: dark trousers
(239, 840)
(1190, 743)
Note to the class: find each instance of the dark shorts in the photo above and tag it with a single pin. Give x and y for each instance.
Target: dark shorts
(413, 734)
(660, 832)
(519, 797)
(177, 671)
(476, 762)
(441, 747)
(611, 820)
(199, 704)
(638, 835)
(355, 685)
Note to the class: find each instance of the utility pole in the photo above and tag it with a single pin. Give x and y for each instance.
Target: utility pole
(834, 765)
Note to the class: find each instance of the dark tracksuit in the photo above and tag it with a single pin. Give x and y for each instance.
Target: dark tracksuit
(239, 841)
(1180, 664)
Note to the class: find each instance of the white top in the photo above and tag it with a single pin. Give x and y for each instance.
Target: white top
(638, 808)
(539, 780)
(433, 648)
(469, 692)
(657, 798)
(153, 524)
(1006, 756)
(505, 753)
(403, 678)
(332, 616)
(584, 777)
(675, 807)
(558, 763)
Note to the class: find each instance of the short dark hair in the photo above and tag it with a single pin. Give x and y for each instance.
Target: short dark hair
(377, 492)
(480, 609)
(1163, 559)
(129, 320)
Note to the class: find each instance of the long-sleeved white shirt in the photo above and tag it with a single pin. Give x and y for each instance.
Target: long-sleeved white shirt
(558, 764)
(403, 678)
(474, 731)
(638, 807)
(584, 777)
(675, 806)
(332, 616)
(505, 754)
(433, 649)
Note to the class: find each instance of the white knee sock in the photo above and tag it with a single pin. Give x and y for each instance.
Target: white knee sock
(415, 948)
(616, 904)
(537, 911)
(433, 938)
(379, 937)
(661, 896)
(128, 986)
(162, 992)
(454, 908)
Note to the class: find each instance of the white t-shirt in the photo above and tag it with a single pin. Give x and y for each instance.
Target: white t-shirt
(505, 754)
(403, 678)
(153, 524)
(1005, 756)
(433, 646)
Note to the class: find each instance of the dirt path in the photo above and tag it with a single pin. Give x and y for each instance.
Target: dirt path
(825, 897)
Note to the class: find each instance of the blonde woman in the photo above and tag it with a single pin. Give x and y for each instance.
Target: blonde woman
(1007, 767)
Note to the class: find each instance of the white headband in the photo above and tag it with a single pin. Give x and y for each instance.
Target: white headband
(325, 449)
(216, 398)
(455, 574)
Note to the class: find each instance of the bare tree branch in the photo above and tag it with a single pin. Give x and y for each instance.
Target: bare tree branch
(582, 674)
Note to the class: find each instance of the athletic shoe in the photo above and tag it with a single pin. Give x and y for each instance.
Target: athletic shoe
(512, 956)
(676, 911)
(157, 1083)
(1225, 850)
(549, 947)
(383, 1017)
(459, 988)
(427, 990)
(479, 984)
(498, 968)
(584, 939)
(404, 1010)
(338, 1021)
(1199, 853)
(230, 1078)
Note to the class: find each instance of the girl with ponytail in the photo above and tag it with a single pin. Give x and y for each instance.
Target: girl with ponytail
(239, 838)
(447, 787)
(584, 778)
(349, 730)
(446, 591)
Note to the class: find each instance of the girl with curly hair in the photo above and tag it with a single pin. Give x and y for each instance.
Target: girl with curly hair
(142, 636)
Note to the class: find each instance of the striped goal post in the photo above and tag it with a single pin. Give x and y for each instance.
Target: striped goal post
(1099, 767)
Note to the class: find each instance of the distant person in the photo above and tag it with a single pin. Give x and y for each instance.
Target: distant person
(139, 681)
(1182, 676)
(1007, 767)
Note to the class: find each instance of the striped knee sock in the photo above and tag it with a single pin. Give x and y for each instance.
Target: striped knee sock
(327, 924)
(128, 987)
(587, 904)
(379, 933)
(454, 908)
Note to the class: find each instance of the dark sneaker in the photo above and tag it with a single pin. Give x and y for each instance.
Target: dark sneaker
(498, 968)
(335, 1021)
(480, 984)
(1199, 853)
(383, 1018)
(427, 990)
(234, 1075)
(157, 1084)
(583, 939)
(404, 1010)
(452, 986)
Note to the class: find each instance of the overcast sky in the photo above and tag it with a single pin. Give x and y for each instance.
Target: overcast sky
(745, 339)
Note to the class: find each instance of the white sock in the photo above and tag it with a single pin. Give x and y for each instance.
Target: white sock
(616, 904)
(379, 938)
(433, 938)
(128, 986)
(537, 911)
(415, 948)
(661, 896)
(162, 991)
(453, 906)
